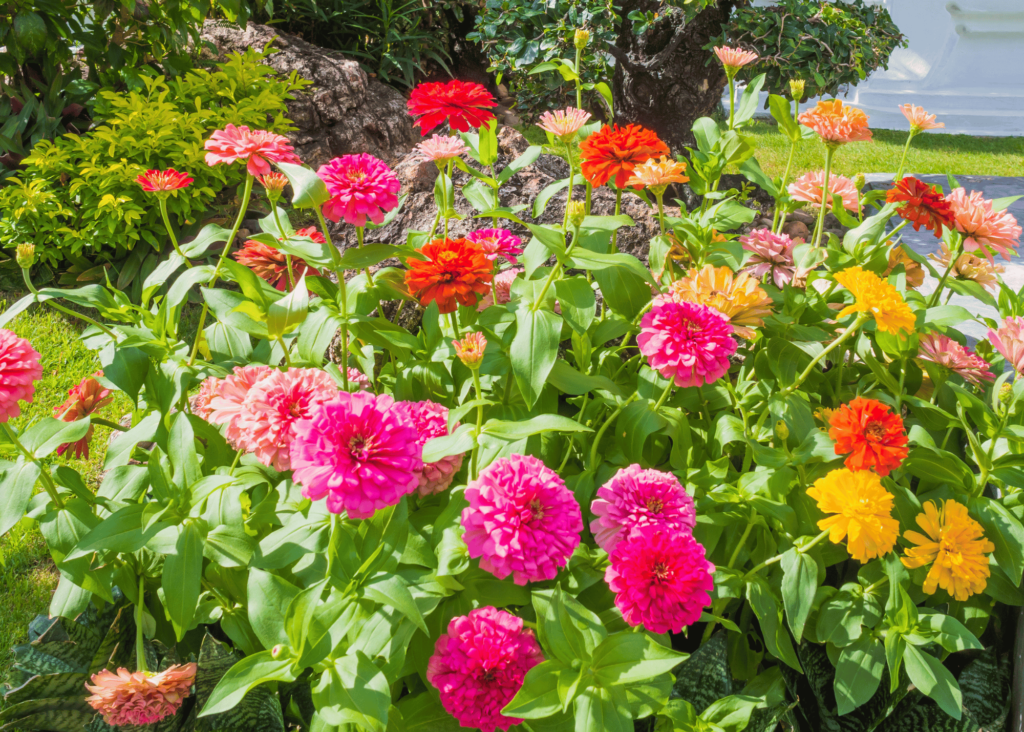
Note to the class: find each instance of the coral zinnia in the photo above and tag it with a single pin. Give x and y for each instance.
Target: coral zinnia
(19, 370)
(969, 267)
(497, 243)
(361, 186)
(563, 124)
(470, 349)
(944, 351)
(464, 105)
(734, 58)
(87, 397)
(270, 264)
(163, 181)
(1009, 341)
(836, 124)
(479, 665)
(686, 342)
(634, 498)
(502, 288)
(870, 434)
(914, 272)
(807, 188)
(863, 512)
(772, 253)
(737, 297)
(521, 520)
(922, 205)
(984, 229)
(127, 699)
(209, 389)
(258, 148)
(657, 174)
(274, 183)
(876, 296)
(358, 451)
(919, 119)
(611, 153)
(430, 420)
(455, 272)
(661, 579)
(955, 546)
(441, 148)
(226, 406)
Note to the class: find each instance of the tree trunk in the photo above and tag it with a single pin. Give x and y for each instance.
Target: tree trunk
(663, 80)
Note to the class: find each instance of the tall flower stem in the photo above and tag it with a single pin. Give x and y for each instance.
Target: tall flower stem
(359, 238)
(66, 311)
(220, 263)
(819, 228)
(343, 291)
(852, 330)
(444, 189)
(140, 646)
(618, 210)
(604, 428)
(556, 272)
(453, 318)
(953, 257)
(732, 96)
(777, 224)
(579, 79)
(44, 472)
(660, 196)
(778, 557)
(903, 159)
(496, 191)
(568, 199)
(664, 395)
(586, 204)
(479, 423)
(162, 201)
(287, 256)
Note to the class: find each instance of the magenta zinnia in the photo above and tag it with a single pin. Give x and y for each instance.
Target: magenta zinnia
(140, 698)
(984, 229)
(634, 498)
(521, 520)
(497, 243)
(88, 397)
(771, 253)
(361, 187)
(358, 451)
(257, 148)
(479, 664)
(431, 420)
(686, 342)
(661, 580)
(947, 353)
(19, 370)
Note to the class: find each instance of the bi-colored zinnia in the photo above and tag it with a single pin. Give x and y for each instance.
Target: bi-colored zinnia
(875, 296)
(563, 124)
(945, 352)
(861, 511)
(870, 434)
(257, 148)
(270, 264)
(498, 243)
(163, 181)
(969, 267)
(734, 59)
(738, 297)
(956, 547)
(441, 148)
(1009, 341)
(657, 174)
(771, 254)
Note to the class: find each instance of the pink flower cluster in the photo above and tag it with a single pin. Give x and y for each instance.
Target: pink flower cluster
(634, 498)
(686, 342)
(361, 187)
(126, 698)
(498, 243)
(944, 351)
(431, 420)
(19, 370)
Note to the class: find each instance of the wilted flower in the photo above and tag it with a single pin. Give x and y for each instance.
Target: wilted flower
(1009, 341)
(88, 397)
(611, 153)
(464, 105)
(836, 124)
(140, 698)
(163, 181)
(984, 229)
(19, 370)
(634, 498)
(431, 420)
(737, 297)
(877, 297)
(914, 271)
(734, 59)
(688, 343)
(361, 187)
(862, 509)
(956, 547)
(969, 267)
(919, 119)
(807, 188)
(657, 174)
(944, 351)
(455, 272)
(772, 253)
(922, 205)
(563, 124)
(497, 243)
(470, 350)
(258, 148)
(441, 148)
(870, 435)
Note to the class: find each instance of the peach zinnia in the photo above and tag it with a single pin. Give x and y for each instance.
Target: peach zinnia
(919, 119)
(88, 397)
(657, 174)
(258, 148)
(969, 267)
(563, 124)
(983, 228)
(733, 59)
(837, 124)
(611, 153)
(808, 187)
(140, 698)
(455, 272)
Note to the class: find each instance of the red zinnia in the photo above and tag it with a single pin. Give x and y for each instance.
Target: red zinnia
(87, 397)
(456, 269)
(613, 153)
(922, 205)
(464, 105)
(270, 264)
(153, 181)
(870, 434)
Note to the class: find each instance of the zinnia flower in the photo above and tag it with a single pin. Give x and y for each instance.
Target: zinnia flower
(274, 183)
(430, 420)
(984, 229)
(455, 272)
(464, 105)
(358, 451)
(956, 547)
(88, 397)
(836, 124)
(270, 264)
(470, 349)
(358, 381)
(479, 665)
(876, 296)
(209, 389)
(361, 186)
(870, 435)
(161, 181)
(272, 407)
(922, 205)
(661, 579)
(969, 267)
(563, 124)
(657, 174)
(686, 342)
(807, 188)
(863, 512)
(497, 243)
(440, 148)
(919, 119)
(611, 153)
(737, 297)
(772, 253)
(226, 406)
(258, 148)
(140, 698)
(733, 59)
(521, 520)
(19, 370)
(944, 351)
(634, 498)
(1009, 341)
(502, 287)
(914, 272)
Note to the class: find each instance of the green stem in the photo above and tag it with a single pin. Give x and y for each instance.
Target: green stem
(605, 426)
(776, 222)
(742, 543)
(875, 585)
(579, 76)
(861, 319)
(732, 98)
(170, 232)
(44, 472)
(953, 257)
(62, 309)
(572, 437)
(287, 358)
(359, 239)
(826, 199)
(234, 463)
(343, 290)
(453, 318)
(107, 423)
(287, 256)
(444, 189)
(140, 646)
(664, 395)
(661, 210)
(586, 205)
(555, 271)
(479, 423)
(568, 199)
(778, 557)
(899, 392)
(903, 160)
(618, 209)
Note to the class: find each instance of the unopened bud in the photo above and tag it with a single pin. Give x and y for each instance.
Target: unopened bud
(577, 212)
(274, 184)
(470, 350)
(26, 255)
(1006, 394)
(782, 429)
(796, 88)
(277, 651)
(581, 38)
(859, 180)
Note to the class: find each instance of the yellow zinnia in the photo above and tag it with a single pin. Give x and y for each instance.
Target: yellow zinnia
(863, 512)
(738, 297)
(956, 548)
(874, 295)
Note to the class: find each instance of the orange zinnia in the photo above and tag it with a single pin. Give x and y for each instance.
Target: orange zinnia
(836, 124)
(613, 153)
(870, 435)
(455, 270)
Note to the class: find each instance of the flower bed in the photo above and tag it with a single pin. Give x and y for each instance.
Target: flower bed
(778, 456)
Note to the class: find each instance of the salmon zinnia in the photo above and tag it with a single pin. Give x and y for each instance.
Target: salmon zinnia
(956, 547)
(836, 124)
(862, 512)
(612, 153)
(163, 181)
(870, 435)
(455, 272)
(464, 105)
(140, 698)
(88, 397)
(258, 148)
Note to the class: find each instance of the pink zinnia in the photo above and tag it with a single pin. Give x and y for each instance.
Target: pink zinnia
(358, 381)
(1009, 341)
(201, 401)
(479, 665)
(734, 58)
(498, 243)
(19, 369)
(361, 186)
(634, 498)
(686, 342)
(126, 699)
(88, 397)
(273, 406)
(502, 287)
(982, 227)
(944, 351)
(563, 124)
(807, 188)
(771, 253)
(258, 148)
(661, 580)
(162, 181)
(521, 520)
(226, 406)
(358, 451)
(431, 420)
(441, 148)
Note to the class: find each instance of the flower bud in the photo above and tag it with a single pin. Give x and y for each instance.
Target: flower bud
(26, 255)
(277, 651)
(274, 184)
(782, 429)
(1006, 394)
(581, 38)
(470, 349)
(577, 212)
(796, 88)
(859, 180)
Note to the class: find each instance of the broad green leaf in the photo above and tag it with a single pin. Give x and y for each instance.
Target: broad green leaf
(600, 708)
(769, 614)
(392, 592)
(534, 350)
(181, 577)
(247, 674)
(308, 190)
(353, 692)
(538, 697)
(17, 481)
(933, 679)
(858, 673)
(627, 657)
(533, 426)
(799, 584)
(289, 311)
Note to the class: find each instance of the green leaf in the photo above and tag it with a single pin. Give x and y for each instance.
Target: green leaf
(534, 350)
(627, 657)
(748, 101)
(460, 441)
(17, 482)
(858, 673)
(392, 592)
(577, 302)
(1004, 530)
(354, 691)
(799, 584)
(182, 573)
(49, 433)
(299, 615)
(570, 381)
(598, 708)
(533, 426)
(732, 713)
(538, 697)
(269, 599)
(308, 191)
(250, 672)
(367, 255)
(939, 466)
(289, 311)
(529, 157)
(566, 628)
(769, 614)
(120, 532)
(933, 679)
(127, 372)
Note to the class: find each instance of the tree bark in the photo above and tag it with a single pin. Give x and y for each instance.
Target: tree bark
(663, 78)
